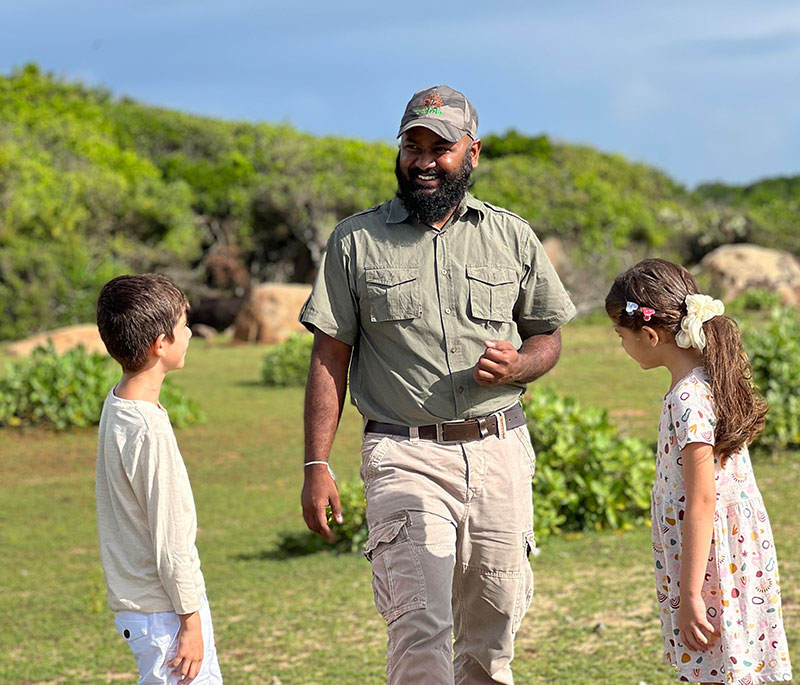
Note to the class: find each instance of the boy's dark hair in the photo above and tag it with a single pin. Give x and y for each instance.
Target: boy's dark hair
(132, 311)
(663, 287)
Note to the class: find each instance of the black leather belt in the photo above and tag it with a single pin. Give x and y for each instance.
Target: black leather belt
(458, 431)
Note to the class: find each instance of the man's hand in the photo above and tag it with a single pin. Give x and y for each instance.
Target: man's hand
(189, 657)
(319, 492)
(498, 363)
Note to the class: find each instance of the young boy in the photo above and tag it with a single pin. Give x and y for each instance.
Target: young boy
(146, 518)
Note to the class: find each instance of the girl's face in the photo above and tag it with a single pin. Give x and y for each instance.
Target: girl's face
(641, 345)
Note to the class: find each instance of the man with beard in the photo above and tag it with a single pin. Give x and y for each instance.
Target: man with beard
(443, 308)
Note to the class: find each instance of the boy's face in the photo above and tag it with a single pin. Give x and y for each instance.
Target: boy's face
(176, 350)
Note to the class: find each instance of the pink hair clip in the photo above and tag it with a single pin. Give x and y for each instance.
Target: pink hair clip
(647, 313)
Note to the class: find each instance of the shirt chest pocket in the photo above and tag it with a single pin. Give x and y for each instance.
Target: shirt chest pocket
(492, 292)
(392, 293)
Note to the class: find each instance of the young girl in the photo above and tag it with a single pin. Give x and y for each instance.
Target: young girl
(715, 564)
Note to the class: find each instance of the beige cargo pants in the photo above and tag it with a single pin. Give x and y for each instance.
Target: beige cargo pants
(451, 528)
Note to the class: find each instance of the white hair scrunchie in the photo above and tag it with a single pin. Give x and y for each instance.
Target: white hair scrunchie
(699, 309)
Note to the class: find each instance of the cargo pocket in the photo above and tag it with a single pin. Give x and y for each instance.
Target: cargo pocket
(397, 580)
(525, 589)
(492, 292)
(393, 293)
(132, 628)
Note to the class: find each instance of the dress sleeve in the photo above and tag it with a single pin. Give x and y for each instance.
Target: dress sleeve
(332, 306)
(692, 413)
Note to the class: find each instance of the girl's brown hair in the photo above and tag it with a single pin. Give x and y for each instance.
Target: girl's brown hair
(663, 287)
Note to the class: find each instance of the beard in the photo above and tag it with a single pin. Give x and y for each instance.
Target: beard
(429, 207)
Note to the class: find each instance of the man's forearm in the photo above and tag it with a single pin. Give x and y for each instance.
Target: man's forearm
(325, 393)
(538, 354)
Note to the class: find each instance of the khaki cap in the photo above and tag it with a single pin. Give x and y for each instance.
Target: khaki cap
(444, 111)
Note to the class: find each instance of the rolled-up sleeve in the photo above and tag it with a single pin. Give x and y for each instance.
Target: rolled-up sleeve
(332, 306)
(543, 304)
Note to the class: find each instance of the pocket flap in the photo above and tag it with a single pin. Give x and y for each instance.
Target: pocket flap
(389, 277)
(491, 275)
(131, 627)
(384, 532)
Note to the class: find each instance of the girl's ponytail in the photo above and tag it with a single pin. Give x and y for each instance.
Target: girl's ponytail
(740, 408)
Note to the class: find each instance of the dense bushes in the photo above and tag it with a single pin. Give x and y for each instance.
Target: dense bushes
(588, 477)
(113, 186)
(774, 352)
(287, 363)
(67, 391)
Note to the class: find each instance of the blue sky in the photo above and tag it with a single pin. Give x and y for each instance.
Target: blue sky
(703, 90)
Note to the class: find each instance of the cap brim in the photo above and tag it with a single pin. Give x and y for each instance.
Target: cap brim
(438, 126)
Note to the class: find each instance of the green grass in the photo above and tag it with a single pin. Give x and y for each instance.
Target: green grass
(310, 619)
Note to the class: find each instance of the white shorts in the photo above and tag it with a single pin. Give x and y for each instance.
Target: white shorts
(153, 641)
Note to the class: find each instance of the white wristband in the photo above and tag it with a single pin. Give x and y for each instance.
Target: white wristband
(330, 470)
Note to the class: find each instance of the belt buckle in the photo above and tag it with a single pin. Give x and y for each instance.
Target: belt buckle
(440, 433)
(500, 417)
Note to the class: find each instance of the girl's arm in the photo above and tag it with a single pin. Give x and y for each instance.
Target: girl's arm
(697, 531)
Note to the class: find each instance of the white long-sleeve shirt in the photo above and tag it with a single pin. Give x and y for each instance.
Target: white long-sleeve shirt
(146, 519)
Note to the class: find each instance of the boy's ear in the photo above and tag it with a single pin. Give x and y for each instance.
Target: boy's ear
(159, 348)
(653, 335)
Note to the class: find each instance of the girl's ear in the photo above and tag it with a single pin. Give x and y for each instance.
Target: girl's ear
(652, 335)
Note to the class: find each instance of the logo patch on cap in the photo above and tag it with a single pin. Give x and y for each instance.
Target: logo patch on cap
(432, 104)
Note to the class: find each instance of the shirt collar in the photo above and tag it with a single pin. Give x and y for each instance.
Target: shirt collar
(398, 213)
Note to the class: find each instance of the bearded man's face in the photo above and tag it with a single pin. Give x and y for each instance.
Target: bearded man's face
(433, 174)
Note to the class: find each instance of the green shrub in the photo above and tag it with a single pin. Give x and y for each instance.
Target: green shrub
(588, 477)
(755, 300)
(774, 353)
(67, 391)
(287, 363)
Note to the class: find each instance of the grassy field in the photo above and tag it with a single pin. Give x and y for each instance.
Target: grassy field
(310, 619)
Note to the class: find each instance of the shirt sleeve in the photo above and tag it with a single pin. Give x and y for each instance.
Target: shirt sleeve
(171, 519)
(544, 303)
(692, 414)
(332, 306)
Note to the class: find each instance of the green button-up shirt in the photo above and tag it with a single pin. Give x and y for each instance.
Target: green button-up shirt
(416, 304)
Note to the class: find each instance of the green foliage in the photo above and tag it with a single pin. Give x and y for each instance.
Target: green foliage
(67, 391)
(587, 475)
(515, 143)
(754, 300)
(287, 363)
(774, 353)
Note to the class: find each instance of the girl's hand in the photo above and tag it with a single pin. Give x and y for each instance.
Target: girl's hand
(696, 632)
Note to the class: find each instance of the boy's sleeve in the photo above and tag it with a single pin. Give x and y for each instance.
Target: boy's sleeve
(172, 521)
(692, 413)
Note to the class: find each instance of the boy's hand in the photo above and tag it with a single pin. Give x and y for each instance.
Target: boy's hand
(189, 657)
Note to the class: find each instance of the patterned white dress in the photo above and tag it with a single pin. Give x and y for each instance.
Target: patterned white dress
(741, 589)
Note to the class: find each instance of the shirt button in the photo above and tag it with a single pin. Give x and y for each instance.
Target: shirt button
(452, 349)
(460, 388)
(444, 272)
(446, 311)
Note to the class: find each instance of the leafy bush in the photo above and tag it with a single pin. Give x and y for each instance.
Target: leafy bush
(287, 363)
(754, 300)
(587, 475)
(774, 353)
(67, 391)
